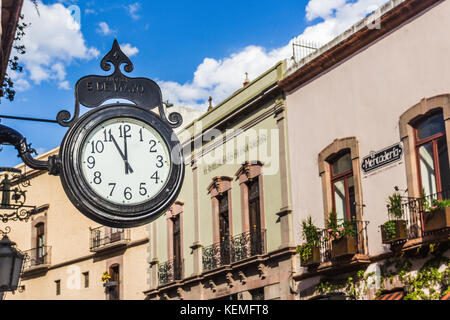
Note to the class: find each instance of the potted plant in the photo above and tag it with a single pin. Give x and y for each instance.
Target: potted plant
(106, 278)
(309, 252)
(342, 236)
(437, 215)
(395, 229)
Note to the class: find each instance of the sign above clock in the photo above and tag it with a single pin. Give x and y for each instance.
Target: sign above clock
(120, 164)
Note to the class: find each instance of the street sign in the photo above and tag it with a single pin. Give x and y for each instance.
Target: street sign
(382, 158)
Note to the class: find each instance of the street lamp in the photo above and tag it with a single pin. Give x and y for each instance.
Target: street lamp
(11, 261)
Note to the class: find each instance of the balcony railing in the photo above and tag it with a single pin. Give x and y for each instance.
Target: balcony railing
(37, 257)
(234, 249)
(361, 242)
(103, 237)
(170, 271)
(413, 210)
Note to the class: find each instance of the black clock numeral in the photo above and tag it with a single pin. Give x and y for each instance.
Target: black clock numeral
(97, 146)
(126, 129)
(155, 176)
(106, 134)
(140, 133)
(127, 193)
(142, 189)
(113, 187)
(91, 162)
(160, 163)
(97, 177)
(153, 146)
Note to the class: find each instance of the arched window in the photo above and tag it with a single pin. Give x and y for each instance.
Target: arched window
(423, 131)
(432, 155)
(343, 186)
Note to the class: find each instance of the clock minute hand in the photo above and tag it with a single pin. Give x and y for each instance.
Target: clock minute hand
(127, 165)
(128, 168)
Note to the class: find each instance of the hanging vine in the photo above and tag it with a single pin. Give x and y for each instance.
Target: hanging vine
(430, 282)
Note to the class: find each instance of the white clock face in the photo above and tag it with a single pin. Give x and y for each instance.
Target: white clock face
(125, 161)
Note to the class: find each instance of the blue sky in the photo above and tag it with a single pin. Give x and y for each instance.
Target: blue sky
(193, 49)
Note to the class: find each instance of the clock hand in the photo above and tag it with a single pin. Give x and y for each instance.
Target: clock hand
(128, 168)
(127, 165)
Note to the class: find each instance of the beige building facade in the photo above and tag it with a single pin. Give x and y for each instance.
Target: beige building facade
(68, 253)
(229, 235)
(369, 117)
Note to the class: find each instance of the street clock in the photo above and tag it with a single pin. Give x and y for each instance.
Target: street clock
(120, 164)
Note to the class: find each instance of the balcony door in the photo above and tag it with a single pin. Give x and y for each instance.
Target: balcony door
(224, 229)
(177, 262)
(114, 272)
(40, 243)
(254, 217)
(343, 187)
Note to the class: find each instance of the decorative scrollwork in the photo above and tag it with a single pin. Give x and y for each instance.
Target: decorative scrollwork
(7, 230)
(92, 91)
(13, 197)
(116, 57)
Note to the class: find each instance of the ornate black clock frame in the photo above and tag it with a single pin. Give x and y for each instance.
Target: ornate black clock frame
(91, 92)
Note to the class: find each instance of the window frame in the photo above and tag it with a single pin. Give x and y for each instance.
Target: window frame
(434, 140)
(407, 127)
(344, 176)
(332, 151)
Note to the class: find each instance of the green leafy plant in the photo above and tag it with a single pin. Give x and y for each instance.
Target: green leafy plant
(437, 205)
(338, 229)
(395, 206)
(390, 230)
(313, 238)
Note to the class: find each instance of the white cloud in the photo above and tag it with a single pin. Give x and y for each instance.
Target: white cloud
(133, 10)
(64, 85)
(220, 78)
(338, 18)
(129, 50)
(104, 29)
(20, 81)
(322, 8)
(52, 42)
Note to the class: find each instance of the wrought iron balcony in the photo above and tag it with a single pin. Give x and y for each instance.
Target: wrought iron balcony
(414, 210)
(234, 249)
(170, 271)
(104, 238)
(36, 258)
(357, 245)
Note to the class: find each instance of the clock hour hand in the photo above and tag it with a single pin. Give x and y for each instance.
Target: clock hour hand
(128, 168)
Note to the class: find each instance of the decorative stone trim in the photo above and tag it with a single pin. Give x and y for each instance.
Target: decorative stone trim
(230, 280)
(338, 145)
(219, 186)
(406, 124)
(242, 277)
(212, 285)
(262, 270)
(180, 293)
(175, 210)
(249, 171)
